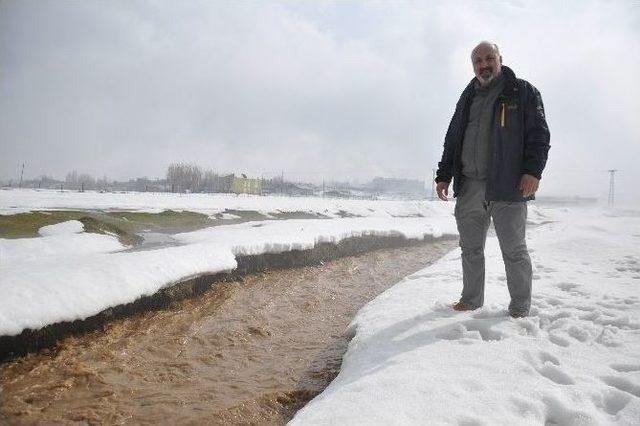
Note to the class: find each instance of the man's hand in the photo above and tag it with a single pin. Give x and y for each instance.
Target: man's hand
(442, 188)
(528, 185)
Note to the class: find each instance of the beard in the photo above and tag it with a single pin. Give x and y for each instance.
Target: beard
(487, 74)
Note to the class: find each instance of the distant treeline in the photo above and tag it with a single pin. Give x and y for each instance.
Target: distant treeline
(189, 177)
(180, 177)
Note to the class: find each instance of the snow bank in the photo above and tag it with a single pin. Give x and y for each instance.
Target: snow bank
(68, 227)
(574, 361)
(24, 200)
(60, 242)
(301, 234)
(73, 276)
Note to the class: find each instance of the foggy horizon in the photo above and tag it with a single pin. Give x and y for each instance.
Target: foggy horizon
(337, 90)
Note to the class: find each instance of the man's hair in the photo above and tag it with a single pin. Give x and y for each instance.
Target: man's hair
(484, 42)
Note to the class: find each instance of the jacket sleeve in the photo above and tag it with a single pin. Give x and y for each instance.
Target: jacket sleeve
(536, 134)
(445, 166)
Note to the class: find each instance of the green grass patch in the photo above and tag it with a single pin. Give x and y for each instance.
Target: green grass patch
(127, 225)
(96, 226)
(168, 221)
(26, 225)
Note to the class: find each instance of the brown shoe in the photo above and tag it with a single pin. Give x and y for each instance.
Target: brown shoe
(461, 306)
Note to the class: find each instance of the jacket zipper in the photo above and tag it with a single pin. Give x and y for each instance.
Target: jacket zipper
(503, 118)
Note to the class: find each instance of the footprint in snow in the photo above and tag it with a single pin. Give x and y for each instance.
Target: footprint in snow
(554, 301)
(555, 374)
(472, 329)
(549, 319)
(585, 308)
(579, 333)
(618, 322)
(625, 368)
(559, 413)
(548, 366)
(571, 288)
(609, 337)
(547, 357)
(623, 384)
(559, 340)
(612, 401)
(566, 286)
(543, 268)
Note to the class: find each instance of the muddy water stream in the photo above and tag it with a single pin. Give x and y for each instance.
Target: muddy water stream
(251, 351)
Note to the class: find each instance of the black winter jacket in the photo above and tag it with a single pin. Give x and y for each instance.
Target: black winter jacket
(519, 143)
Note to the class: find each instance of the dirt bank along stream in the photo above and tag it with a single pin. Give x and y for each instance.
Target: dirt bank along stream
(252, 350)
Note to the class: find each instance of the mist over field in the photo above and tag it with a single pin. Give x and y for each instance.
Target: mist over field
(308, 90)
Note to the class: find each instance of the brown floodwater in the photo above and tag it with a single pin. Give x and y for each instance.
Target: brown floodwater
(250, 351)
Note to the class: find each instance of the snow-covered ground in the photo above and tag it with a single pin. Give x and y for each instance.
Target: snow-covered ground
(24, 200)
(574, 361)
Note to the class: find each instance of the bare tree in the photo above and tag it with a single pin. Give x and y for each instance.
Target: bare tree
(86, 181)
(102, 183)
(72, 178)
(184, 177)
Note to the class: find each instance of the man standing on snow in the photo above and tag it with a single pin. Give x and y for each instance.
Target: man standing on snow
(495, 150)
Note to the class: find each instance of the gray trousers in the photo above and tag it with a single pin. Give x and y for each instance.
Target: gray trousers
(473, 216)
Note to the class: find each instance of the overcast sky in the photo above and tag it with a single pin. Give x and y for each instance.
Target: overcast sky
(337, 89)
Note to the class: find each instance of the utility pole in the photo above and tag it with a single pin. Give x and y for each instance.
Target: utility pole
(433, 185)
(612, 182)
(21, 174)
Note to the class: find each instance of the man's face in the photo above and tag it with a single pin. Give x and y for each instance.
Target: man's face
(486, 63)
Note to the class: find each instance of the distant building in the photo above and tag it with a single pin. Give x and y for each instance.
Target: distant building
(244, 185)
